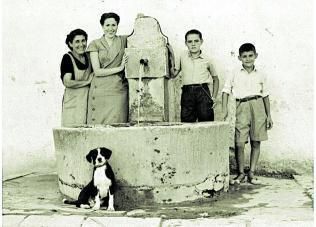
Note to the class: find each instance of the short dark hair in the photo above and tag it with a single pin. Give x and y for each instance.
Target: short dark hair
(73, 34)
(109, 15)
(247, 47)
(193, 31)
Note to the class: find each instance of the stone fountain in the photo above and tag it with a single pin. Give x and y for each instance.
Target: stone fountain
(155, 161)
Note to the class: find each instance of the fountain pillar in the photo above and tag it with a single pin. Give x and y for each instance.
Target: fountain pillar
(147, 72)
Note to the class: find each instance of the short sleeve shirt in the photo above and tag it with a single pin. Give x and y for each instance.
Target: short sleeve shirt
(195, 70)
(242, 84)
(67, 67)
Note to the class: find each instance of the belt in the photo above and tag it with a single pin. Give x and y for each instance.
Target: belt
(194, 85)
(249, 98)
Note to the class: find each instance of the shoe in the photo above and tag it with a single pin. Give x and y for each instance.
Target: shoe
(252, 179)
(239, 179)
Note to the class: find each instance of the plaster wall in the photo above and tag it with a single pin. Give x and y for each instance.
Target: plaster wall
(33, 44)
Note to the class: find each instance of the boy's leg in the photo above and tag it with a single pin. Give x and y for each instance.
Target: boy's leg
(254, 155)
(258, 133)
(240, 157)
(241, 137)
(188, 112)
(205, 110)
(240, 160)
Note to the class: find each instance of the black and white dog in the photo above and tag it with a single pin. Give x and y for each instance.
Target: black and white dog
(100, 191)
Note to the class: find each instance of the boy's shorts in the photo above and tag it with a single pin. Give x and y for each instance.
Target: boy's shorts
(251, 121)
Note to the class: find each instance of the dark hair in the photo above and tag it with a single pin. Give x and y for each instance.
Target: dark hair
(193, 31)
(247, 47)
(109, 15)
(73, 34)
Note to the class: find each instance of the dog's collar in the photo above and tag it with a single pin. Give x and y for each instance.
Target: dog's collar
(100, 166)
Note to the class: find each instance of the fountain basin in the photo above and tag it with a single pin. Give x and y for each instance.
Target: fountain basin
(153, 163)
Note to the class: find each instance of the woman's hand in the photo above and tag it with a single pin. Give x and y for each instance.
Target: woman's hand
(124, 61)
(90, 77)
(225, 113)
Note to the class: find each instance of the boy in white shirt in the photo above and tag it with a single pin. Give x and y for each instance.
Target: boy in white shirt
(248, 85)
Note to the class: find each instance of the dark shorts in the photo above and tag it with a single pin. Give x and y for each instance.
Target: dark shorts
(196, 103)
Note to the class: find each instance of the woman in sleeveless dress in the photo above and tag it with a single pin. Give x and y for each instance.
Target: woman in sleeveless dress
(76, 76)
(108, 95)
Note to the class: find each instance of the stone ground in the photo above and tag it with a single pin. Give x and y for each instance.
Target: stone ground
(34, 200)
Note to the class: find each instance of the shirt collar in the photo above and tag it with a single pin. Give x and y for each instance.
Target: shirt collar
(202, 55)
(254, 70)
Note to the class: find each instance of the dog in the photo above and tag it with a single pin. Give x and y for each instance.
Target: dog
(100, 191)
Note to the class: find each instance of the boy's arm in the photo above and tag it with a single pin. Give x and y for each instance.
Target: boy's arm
(215, 80)
(215, 86)
(174, 70)
(227, 90)
(224, 104)
(266, 102)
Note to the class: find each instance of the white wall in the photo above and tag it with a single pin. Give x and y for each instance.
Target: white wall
(33, 44)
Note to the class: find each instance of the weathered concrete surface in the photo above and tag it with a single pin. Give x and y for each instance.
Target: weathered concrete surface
(146, 70)
(152, 102)
(161, 164)
(121, 221)
(146, 34)
(52, 221)
(34, 200)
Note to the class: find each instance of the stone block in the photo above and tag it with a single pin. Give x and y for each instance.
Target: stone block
(146, 71)
(12, 220)
(204, 222)
(157, 65)
(150, 104)
(121, 221)
(146, 34)
(52, 221)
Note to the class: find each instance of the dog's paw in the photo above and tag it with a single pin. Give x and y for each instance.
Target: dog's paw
(96, 208)
(85, 206)
(110, 208)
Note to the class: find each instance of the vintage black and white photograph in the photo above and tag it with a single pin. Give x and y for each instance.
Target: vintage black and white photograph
(124, 113)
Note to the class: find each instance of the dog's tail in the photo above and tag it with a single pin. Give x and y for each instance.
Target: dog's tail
(74, 202)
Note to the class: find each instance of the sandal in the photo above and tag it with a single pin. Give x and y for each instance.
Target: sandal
(252, 179)
(239, 179)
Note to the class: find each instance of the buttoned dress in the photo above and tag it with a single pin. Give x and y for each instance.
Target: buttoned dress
(108, 95)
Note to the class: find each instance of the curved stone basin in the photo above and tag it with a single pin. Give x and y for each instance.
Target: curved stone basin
(153, 163)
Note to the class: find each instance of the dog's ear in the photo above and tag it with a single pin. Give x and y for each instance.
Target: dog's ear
(90, 155)
(106, 153)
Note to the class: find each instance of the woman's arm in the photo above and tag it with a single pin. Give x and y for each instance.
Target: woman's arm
(98, 71)
(69, 83)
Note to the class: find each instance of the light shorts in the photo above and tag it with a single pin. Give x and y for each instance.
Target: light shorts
(251, 121)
